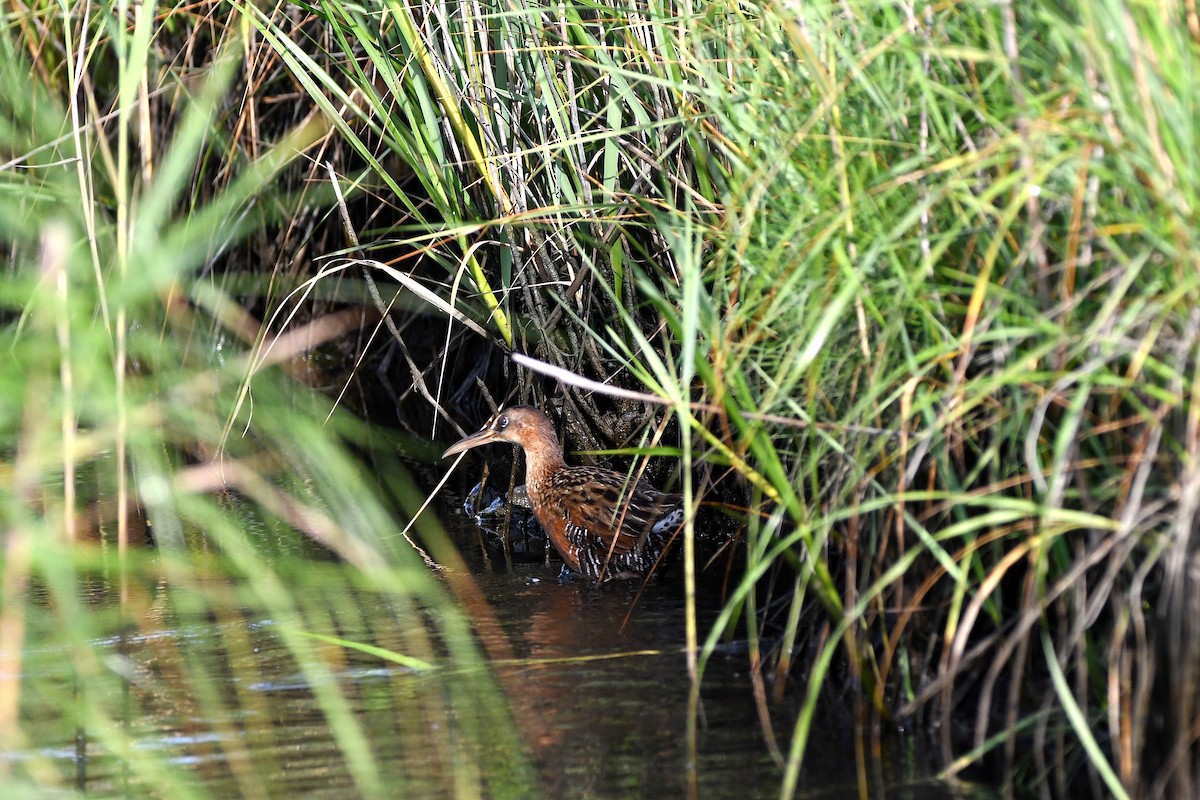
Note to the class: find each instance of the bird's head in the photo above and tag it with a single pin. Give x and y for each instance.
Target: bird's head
(522, 425)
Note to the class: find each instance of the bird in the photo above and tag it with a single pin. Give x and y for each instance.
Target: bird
(604, 525)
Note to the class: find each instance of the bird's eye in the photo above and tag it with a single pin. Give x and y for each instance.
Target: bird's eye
(501, 422)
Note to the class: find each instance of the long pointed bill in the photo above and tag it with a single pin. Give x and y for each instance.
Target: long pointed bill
(485, 436)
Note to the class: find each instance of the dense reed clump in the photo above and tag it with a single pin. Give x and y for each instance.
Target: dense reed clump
(922, 277)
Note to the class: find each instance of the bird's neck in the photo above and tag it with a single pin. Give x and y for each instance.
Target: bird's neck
(543, 457)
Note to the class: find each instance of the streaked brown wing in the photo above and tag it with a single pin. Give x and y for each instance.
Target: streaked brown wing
(597, 503)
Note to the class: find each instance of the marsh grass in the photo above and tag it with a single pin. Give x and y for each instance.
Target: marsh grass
(135, 414)
(916, 283)
(953, 246)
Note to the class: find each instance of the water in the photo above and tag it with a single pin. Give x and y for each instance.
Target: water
(597, 696)
(604, 703)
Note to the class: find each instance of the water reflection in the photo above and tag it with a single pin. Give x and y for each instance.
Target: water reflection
(598, 697)
(603, 700)
(219, 700)
(614, 727)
